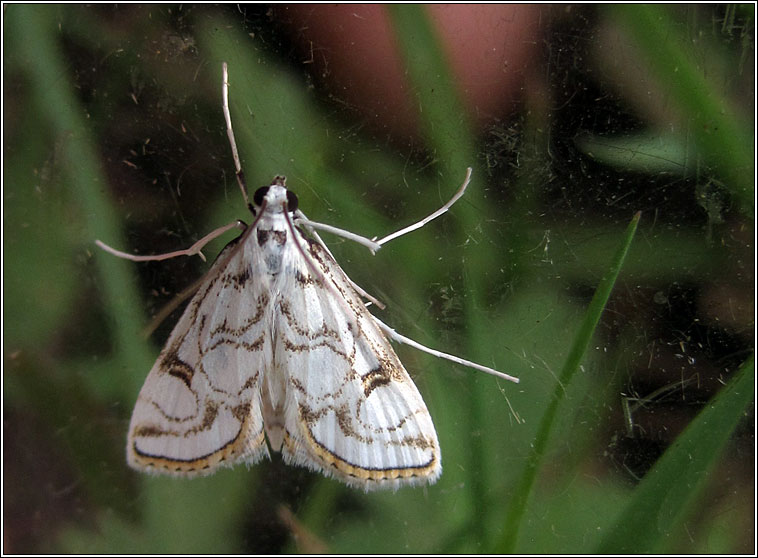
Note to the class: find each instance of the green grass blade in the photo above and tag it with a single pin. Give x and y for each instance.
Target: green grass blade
(725, 144)
(669, 490)
(447, 132)
(442, 118)
(54, 97)
(518, 502)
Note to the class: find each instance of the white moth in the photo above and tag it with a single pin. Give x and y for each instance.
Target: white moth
(277, 351)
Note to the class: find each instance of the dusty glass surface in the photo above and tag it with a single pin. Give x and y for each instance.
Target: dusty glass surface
(113, 129)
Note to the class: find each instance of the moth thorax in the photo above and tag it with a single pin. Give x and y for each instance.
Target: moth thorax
(276, 195)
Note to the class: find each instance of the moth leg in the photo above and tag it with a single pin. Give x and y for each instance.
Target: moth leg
(166, 311)
(301, 216)
(406, 340)
(191, 251)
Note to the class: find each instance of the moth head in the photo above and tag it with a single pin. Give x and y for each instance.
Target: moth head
(276, 196)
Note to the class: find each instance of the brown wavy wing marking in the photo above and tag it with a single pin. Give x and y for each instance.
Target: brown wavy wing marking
(226, 454)
(344, 405)
(187, 415)
(362, 475)
(351, 425)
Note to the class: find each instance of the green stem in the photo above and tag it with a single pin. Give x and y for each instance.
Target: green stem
(518, 502)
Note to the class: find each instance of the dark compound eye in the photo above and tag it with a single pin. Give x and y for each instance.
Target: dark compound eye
(291, 201)
(260, 193)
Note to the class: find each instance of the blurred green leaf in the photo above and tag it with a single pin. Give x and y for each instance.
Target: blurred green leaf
(671, 488)
(723, 136)
(518, 504)
(38, 227)
(179, 517)
(650, 153)
(448, 135)
(53, 96)
(442, 116)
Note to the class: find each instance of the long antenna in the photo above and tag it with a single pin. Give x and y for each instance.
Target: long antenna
(431, 217)
(230, 135)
